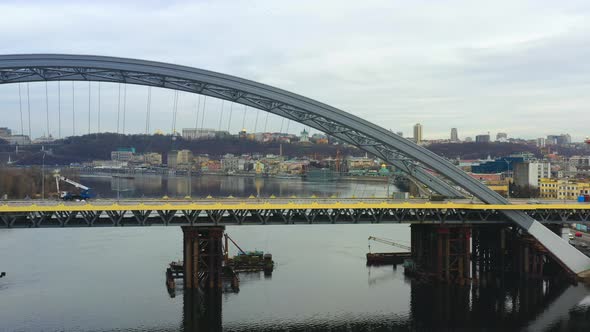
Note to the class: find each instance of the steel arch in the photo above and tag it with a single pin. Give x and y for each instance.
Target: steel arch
(357, 131)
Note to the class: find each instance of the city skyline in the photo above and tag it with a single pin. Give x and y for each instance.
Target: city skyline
(395, 67)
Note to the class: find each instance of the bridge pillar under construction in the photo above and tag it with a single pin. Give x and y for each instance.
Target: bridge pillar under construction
(480, 253)
(442, 252)
(203, 257)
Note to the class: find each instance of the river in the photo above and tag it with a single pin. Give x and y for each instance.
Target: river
(112, 279)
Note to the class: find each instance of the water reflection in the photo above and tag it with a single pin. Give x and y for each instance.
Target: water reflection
(202, 311)
(531, 305)
(155, 186)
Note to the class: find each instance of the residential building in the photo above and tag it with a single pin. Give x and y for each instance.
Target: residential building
(360, 163)
(502, 137)
(562, 139)
(500, 165)
(44, 139)
(565, 189)
(418, 133)
(17, 139)
(5, 132)
(530, 173)
(200, 133)
(172, 159)
(123, 154)
(482, 138)
(184, 157)
(230, 163)
(468, 139)
(454, 135)
(541, 142)
(152, 158)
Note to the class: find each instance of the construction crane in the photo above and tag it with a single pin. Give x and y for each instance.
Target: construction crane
(389, 242)
(68, 196)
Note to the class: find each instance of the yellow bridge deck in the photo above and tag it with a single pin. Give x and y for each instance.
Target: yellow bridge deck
(16, 207)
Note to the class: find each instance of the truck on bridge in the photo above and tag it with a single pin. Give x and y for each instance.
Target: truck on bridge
(85, 192)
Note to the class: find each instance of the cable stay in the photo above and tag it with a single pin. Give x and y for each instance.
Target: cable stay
(124, 106)
(99, 107)
(73, 111)
(256, 121)
(59, 109)
(89, 100)
(118, 107)
(221, 115)
(148, 111)
(197, 109)
(174, 111)
(244, 119)
(203, 112)
(266, 121)
(29, 108)
(231, 109)
(282, 122)
(20, 108)
(47, 108)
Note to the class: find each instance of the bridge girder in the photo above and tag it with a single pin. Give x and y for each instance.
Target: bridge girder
(352, 129)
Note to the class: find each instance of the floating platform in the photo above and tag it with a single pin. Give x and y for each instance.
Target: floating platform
(385, 258)
(252, 261)
(175, 270)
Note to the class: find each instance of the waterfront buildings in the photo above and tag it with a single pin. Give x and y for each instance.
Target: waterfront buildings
(123, 154)
(180, 158)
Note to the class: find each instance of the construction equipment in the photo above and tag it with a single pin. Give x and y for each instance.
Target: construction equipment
(84, 194)
(387, 257)
(389, 242)
(247, 261)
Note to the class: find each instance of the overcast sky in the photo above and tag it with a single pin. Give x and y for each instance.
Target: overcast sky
(521, 67)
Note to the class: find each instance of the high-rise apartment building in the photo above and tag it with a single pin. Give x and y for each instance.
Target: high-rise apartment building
(454, 135)
(482, 138)
(418, 133)
(529, 173)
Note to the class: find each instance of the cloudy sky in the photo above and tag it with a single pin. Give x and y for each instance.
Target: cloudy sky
(521, 67)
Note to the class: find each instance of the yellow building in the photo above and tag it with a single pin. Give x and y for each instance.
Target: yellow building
(563, 189)
(184, 157)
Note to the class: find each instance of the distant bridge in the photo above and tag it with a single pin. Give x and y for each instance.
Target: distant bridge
(228, 212)
(416, 161)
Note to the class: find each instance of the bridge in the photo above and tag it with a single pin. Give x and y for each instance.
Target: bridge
(420, 164)
(229, 212)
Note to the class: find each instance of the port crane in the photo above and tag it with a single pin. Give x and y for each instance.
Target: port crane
(389, 242)
(68, 196)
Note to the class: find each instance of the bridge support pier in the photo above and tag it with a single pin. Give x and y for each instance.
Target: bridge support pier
(203, 257)
(442, 252)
